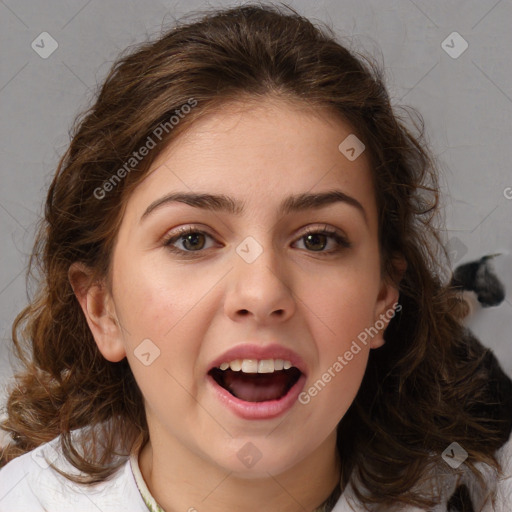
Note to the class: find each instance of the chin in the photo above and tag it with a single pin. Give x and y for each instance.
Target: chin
(253, 458)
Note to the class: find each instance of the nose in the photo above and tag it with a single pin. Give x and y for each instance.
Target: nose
(260, 290)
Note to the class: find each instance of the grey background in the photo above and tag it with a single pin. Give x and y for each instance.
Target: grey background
(466, 103)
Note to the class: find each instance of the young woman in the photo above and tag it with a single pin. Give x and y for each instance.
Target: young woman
(243, 300)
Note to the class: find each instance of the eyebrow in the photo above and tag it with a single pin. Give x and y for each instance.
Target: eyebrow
(223, 203)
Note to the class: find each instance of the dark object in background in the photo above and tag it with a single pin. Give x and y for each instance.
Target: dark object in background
(499, 385)
(479, 277)
(460, 501)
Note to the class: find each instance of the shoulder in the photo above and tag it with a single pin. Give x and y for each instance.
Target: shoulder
(493, 494)
(15, 488)
(29, 483)
(504, 483)
(473, 497)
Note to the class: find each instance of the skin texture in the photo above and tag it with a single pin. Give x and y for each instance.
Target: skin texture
(194, 308)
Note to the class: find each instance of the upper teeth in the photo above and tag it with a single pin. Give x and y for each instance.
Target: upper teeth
(256, 366)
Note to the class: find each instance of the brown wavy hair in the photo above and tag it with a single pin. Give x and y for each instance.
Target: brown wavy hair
(422, 389)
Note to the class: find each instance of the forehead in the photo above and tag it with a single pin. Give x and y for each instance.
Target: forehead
(274, 148)
(274, 127)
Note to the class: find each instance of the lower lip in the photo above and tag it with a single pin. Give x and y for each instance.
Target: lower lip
(259, 410)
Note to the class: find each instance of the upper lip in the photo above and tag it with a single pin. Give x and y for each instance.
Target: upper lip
(254, 351)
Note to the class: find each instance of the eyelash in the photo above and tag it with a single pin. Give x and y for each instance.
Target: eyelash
(342, 242)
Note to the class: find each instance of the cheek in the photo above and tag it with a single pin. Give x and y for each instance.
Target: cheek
(157, 309)
(154, 297)
(331, 391)
(341, 313)
(343, 303)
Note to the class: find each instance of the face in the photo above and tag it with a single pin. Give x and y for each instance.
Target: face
(277, 277)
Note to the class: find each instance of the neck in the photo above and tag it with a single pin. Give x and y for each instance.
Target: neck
(179, 480)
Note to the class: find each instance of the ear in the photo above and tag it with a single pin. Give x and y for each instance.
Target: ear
(387, 300)
(98, 307)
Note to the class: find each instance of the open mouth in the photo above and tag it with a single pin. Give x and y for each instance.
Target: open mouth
(255, 386)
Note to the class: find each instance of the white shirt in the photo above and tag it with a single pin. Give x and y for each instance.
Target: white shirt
(28, 484)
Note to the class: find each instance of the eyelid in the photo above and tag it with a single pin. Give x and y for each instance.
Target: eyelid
(176, 234)
(321, 228)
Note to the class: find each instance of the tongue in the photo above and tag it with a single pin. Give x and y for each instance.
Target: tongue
(257, 387)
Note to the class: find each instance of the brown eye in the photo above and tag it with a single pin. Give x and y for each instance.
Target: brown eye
(315, 241)
(194, 241)
(186, 241)
(318, 240)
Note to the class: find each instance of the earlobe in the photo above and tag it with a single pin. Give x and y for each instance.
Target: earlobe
(387, 306)
(377, 341)
(387, 301)
(98, 307)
